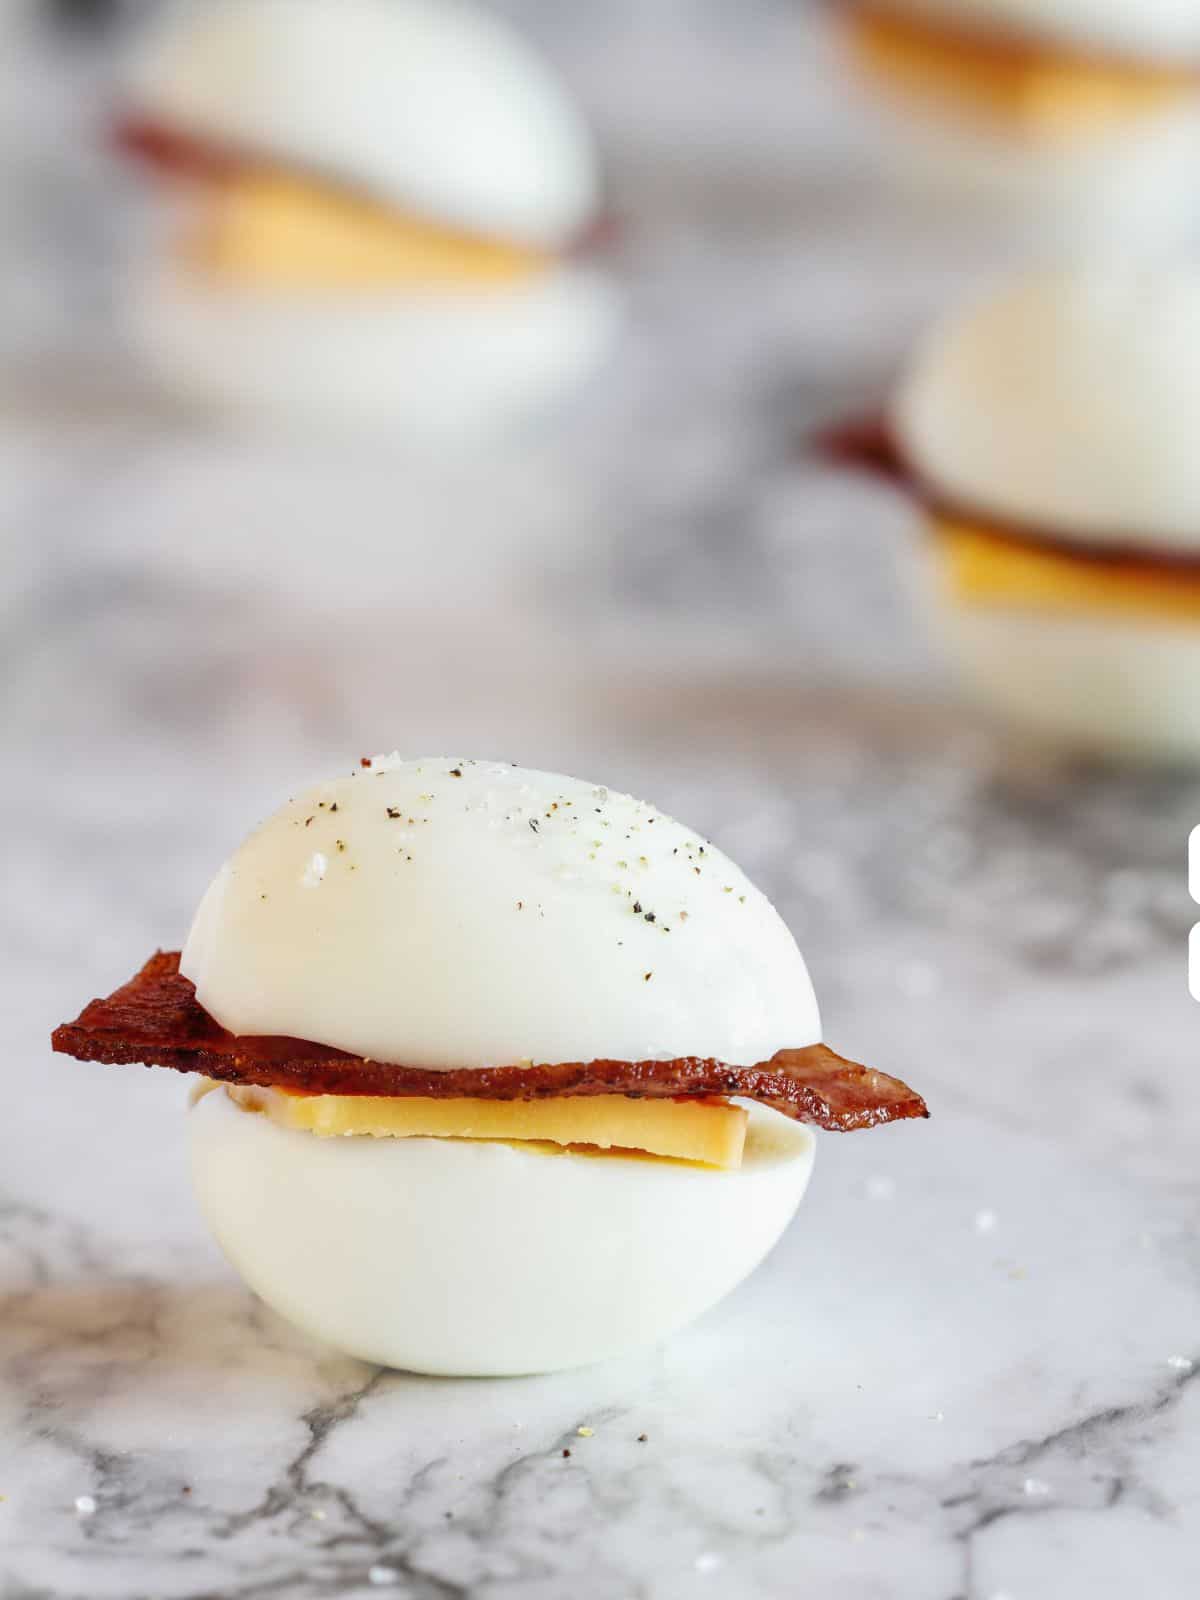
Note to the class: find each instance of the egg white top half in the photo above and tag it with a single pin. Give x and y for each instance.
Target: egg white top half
(434, 105)
(1067, 403)
(1154, 30)
(502, 916)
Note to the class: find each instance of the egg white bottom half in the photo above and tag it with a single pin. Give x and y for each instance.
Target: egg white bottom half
(429, 362)
(472, 1259)
(1115, 686)
(1128, 187)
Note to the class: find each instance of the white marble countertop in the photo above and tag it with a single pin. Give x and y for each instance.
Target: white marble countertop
(970, 1370)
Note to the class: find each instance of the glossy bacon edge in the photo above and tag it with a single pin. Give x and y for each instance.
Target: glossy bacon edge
(156, 1020)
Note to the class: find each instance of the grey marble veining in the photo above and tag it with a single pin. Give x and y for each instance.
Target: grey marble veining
(969, 1371)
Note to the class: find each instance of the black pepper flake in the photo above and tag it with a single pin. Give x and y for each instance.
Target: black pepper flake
(520, 905)
(533, 823)
(333, 805)
(566, 1453)
(642, 1437)
(456, 772)
(339, 844)
(394, 812)
(650, 917)
(308, 822)
(637, 906)
(646, 976)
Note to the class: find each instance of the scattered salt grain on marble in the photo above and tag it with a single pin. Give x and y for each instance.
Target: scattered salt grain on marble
(708, 1561)
(880, 1188)
(1180, 1363)
(985, 1221)
(1035, 1488)
(85, 1505)
(382, 1577)
(938, 1416)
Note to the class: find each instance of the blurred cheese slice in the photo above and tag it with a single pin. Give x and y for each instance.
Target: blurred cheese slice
(276, 230)
(708, 1131)
(986, 568)
(1030, 90)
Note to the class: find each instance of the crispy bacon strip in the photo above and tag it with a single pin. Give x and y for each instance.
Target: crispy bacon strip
(156, 1019)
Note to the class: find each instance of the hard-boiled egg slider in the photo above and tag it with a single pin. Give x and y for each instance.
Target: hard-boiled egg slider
(1042, 69)
(381, 207)
(1048, 435)
(1070, 122)
(507, 1072)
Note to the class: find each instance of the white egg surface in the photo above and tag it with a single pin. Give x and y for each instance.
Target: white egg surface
(1065, 403)
(433, 104)
(420, 363)
(450, 1256)
(1107, 686)
(439, 913)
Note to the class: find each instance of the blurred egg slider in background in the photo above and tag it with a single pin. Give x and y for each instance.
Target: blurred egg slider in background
(1082, 103)
(383, 205)
(1049, 433)
(508, 1072)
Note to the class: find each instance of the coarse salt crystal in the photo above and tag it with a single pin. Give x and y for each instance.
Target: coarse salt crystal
(85, 1505)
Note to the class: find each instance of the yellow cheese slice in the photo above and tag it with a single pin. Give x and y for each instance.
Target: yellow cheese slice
(1028, 90)
(988, 569)
(708, 1131)
(271, 229)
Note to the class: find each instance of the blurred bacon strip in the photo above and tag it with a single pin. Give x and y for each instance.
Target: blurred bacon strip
(865, 444)
(171, 152)
(156, 1019)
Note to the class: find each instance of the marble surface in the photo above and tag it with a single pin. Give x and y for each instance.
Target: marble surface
(970, 1370)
